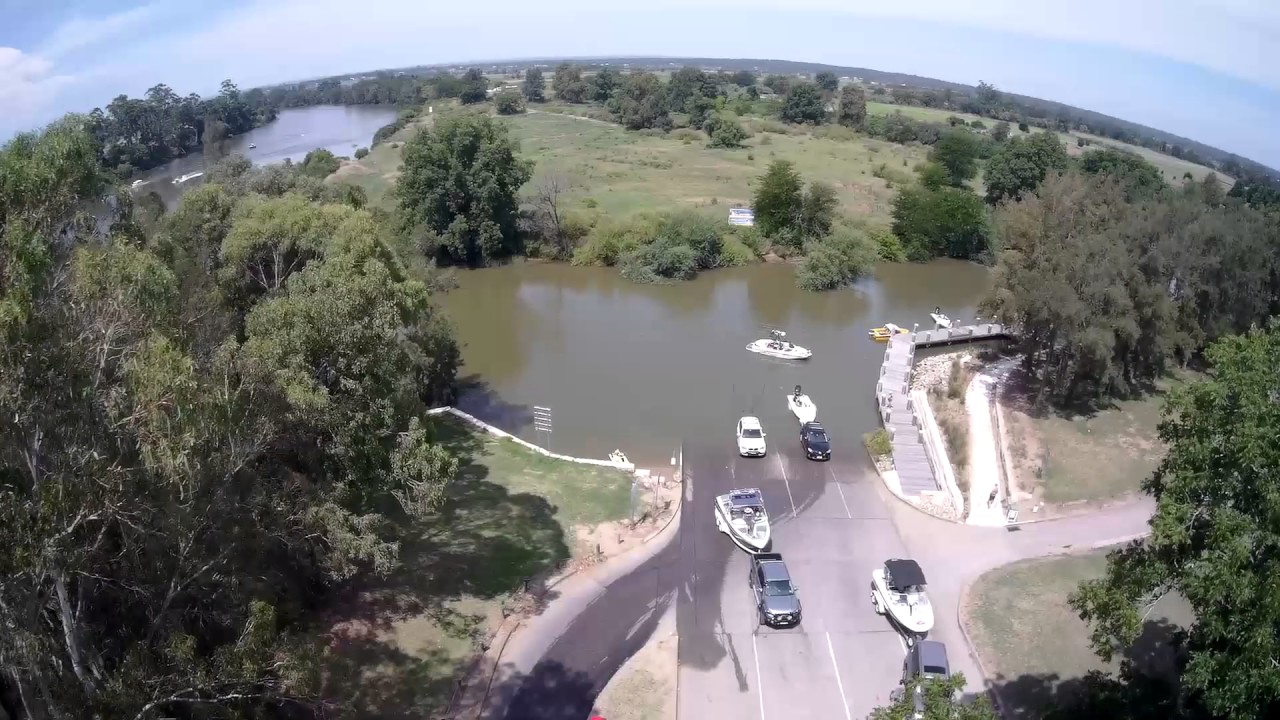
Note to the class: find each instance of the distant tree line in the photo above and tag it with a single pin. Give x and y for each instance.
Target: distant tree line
(134, 134)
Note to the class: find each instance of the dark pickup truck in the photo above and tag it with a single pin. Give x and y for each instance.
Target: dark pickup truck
(776, 600)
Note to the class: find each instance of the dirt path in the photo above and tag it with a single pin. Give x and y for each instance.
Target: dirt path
(575, 117)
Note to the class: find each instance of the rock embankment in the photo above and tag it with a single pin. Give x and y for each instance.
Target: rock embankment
(933, 371)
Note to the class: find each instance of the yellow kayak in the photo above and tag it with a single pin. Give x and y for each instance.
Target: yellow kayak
(882, 334)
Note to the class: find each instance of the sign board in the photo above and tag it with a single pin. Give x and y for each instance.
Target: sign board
(742, 216)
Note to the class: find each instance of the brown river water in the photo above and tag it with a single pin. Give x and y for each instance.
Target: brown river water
(639, 367)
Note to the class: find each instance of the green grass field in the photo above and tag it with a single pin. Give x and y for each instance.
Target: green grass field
(1033, 645)
(623, 172)
(512, 514)
(376, 172)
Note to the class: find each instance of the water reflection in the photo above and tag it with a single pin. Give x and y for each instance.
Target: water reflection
(640, 366)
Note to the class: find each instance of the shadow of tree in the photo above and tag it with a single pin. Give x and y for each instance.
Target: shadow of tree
(1147, 685)
(477, 398)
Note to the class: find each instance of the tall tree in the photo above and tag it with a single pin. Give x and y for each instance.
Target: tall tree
(1214, 536)
(1140, 178)
(534, 87)
(804, 104)
(475, 87)
(852, 111)
(744, 78)
(778, 198)
(460, 181)
(1000, 132)
(568, 83)
(946, 221)
(602, 85)
(937, 700)
(826, 81)
(957, 152)
(688, 84)
(641, 103)
(1021, 164)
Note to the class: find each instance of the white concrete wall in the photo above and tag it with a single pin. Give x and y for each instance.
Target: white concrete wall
(937, 450)
(475, 422)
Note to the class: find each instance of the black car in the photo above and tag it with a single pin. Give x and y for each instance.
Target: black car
(776, 601)
(814, 440)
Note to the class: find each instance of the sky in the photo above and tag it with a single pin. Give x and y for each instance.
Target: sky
(1205, 70)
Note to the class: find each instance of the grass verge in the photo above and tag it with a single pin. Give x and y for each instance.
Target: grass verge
(1062, 457)
(1034, 646)
(398, 645)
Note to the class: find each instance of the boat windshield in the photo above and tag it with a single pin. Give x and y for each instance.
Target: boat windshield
(752, 433)
(913, 596)
(777, 588)
(756, 511)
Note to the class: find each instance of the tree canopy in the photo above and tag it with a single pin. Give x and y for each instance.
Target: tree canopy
(641, 102)
(852, 110)
(1214, 536)
(568, 83)
(941, 222)
(826, 81)
(804, 104)
(460, 182)
(475, 87)
(1021, 164)
(957, 152)
(534, 87)
(938, 699)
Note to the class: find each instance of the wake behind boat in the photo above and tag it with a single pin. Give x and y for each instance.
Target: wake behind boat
(740, 514)
(183, 178)
(776, 346)
(802, 407)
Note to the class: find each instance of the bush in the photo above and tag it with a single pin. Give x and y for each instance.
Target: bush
(320, 163)
(665, 246)
(836, 261)
(888, 246)
(839, 133)
(750, 237)
(686, 134)
(735, 253)
(878, 443)
(361, 153)
(957, 380)
(725, 131)
(509, 103)
(659, 261)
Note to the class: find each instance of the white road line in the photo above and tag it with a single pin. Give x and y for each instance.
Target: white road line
(755, 652)
(839, 683)
(847, 514)
(783, 468)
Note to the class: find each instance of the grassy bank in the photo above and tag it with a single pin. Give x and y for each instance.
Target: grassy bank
(1008, 611)
(511, 515)
(376, 172)
(1064, 457)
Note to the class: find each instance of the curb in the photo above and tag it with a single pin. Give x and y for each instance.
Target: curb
(1136, 497)
(972, 649)
(903, 499)
(516, 625)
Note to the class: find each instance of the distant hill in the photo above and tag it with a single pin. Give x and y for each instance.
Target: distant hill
(1049, 113)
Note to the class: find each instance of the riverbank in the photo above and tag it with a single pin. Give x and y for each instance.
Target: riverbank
(509, 524)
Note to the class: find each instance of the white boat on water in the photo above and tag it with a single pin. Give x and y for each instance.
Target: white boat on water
(189, 176)
(939, 319)
(802, 407)
(740, 514)
(776, 346)
(138, 183)
(897, 590)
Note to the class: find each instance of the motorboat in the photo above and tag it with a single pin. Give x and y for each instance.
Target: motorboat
(183, 178)
(939, 319)
(740, 514)
(882, 334)
(138, 183)
(802, 407)
(253, 146)
(776, 346)
(898, 591)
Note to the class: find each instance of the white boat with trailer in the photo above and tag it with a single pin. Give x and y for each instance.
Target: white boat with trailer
(740, 514)
(777, 346)
(802, 407)
(898, 591)
(939, 319)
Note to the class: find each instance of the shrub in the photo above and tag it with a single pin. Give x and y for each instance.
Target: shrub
(878, 443)
(665, 246)
(836, 261)
(957, 380)
(509, 102)
(660, 261)
(361, 153)
(956, 433)
(590, 203)
(725, 131)
(735, 253)
(838, 133)
(750, 237)
(888, 246)
(686, 134)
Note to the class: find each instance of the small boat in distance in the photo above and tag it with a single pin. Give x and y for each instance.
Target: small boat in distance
(882, 334)
(802, 407)
(740, 514)
(183, 178)
(252, 146)
(939, 319)
(138, 183)
(776, 346)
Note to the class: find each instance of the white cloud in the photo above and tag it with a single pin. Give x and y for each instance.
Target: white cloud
(80, 33)
(27, 84)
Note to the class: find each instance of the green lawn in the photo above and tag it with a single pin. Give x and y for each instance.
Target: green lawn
(1066, 457)
(623, 172)
(1033, 645)
(512, 514)
(376, 172)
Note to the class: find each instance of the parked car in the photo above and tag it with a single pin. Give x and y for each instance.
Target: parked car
(814, 440)
(776, 601)
(926, 661)
(750, 437)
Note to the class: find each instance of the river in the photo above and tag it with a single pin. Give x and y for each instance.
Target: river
(638, 367)
(295, 132)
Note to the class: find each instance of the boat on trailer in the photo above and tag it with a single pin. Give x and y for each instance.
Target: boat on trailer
(898, 591)
(777, 346)
(740, 514)
(802, 407)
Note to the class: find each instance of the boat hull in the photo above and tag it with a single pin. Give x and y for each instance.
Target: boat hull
(756, 544)
(941, 321)
(804, 410)
(915, 623)
(761, 347)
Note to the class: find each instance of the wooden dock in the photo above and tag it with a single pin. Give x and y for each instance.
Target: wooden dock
(897, 410)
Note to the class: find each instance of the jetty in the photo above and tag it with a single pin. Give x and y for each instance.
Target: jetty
(918, 455)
